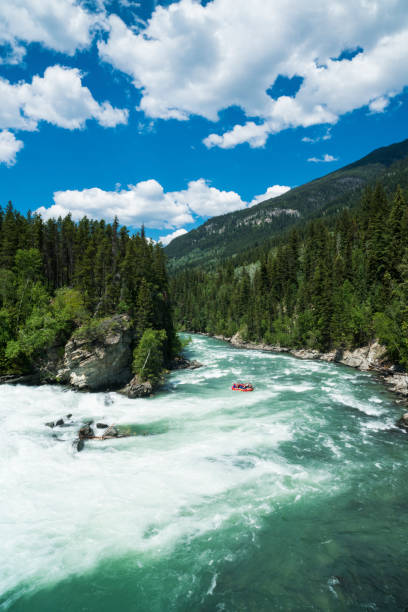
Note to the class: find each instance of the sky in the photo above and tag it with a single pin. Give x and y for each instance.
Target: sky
(168, 113)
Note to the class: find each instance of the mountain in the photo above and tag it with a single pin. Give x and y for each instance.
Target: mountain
(230, 234)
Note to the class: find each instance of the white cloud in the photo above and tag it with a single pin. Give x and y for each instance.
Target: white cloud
(58, 98)
(206, 201)
(326, 136)
(9, 147)
(325, 159)
(195, 59)
(165, 240)
(147, 203)
(61, 25)
(379, 104)
(271, 192)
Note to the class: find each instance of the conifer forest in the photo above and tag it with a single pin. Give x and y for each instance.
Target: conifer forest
(58, 275)
(335, 283)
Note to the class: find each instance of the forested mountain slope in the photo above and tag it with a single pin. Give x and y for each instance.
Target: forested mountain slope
(338, 284)
(229, 234)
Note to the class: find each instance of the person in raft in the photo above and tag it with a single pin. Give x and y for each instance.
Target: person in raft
(242, 387)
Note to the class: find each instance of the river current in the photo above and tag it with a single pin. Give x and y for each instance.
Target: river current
(292, 497)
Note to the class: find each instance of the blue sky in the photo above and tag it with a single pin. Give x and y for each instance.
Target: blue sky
(169, 113)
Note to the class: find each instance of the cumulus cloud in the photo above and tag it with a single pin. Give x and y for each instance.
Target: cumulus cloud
(271, 192)
(9, 147)
(165, 240)
(325, 159)
(147, 203)
(61, 25)
(58, 98)
(194, 59)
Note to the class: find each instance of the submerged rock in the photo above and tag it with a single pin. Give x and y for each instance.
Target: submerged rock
(50, 424)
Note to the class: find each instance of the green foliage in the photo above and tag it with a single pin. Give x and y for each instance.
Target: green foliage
(339, 283)
(49, 323)
(58, 275)
(237, 233)
(148, 357)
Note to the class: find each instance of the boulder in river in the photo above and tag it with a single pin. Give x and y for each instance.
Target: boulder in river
(78, 444)
(86, 431)
(137, 388)
(181, 363)
(101, 425)
(402, 423)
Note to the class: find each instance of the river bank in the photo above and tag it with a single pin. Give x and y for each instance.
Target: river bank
(369, 358)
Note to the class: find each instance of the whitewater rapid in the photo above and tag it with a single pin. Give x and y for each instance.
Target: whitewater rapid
(208, 461)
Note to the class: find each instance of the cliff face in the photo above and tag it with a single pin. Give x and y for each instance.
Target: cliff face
(100, 358)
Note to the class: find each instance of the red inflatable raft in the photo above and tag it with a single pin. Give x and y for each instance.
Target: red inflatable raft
(242, 387)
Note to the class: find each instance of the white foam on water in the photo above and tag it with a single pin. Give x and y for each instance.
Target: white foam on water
(67, 511)
(217, 459)
(362, 406)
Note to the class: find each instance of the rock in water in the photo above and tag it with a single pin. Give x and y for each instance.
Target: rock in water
(59, 423)
(101, 425)
(402, 423)
(78, 444)
(111, 431)
(86, 432)
(50, 424)
(136, 388)
(181, 363)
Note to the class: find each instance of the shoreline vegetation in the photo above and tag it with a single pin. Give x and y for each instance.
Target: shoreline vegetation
(84, 304)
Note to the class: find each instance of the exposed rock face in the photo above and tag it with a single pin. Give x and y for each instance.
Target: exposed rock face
(100, 360)
(365, 358)
(137, 388)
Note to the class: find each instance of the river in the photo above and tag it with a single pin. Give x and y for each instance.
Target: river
(292, 497)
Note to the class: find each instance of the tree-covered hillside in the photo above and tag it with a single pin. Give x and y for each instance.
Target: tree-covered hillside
(58, 275)
(336, 283)
(227, 235)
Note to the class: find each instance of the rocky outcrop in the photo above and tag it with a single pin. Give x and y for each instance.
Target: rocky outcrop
(372, 357)
(138, 388)
(99, 358)
(181, 363)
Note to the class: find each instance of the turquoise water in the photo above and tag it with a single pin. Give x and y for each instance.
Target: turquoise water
(292, 497)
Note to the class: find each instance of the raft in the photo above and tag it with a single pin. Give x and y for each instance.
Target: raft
(245, 387)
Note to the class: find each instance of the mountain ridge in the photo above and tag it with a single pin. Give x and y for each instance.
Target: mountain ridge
(248, 227)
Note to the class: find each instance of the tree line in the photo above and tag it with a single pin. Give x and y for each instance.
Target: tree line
(336, 283)
(59, 274)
